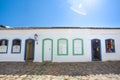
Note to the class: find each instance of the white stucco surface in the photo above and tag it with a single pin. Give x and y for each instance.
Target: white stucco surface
(85, 34)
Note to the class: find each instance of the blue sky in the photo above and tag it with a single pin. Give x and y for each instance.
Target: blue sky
(60, 13)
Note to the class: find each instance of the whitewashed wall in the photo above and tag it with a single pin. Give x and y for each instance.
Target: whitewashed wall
(55, 34)
(107, 34)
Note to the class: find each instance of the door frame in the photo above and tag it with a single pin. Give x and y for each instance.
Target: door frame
(26, 47)
(43, 47)
(92, 49)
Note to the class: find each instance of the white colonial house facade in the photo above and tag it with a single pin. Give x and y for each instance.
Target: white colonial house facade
(62, 44)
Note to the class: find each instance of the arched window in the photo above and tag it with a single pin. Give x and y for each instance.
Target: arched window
(77, 46)
(3, 46)
(16, 47)
(110, 45)
(62, 48)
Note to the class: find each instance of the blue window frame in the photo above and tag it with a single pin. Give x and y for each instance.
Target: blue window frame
(110, 45)
(16, 46)
(3, 46)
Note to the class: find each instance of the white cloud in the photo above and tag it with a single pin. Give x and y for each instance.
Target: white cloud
(7, 26)
(79, 11)
(74, 2)
(77, 6)
(80, 5)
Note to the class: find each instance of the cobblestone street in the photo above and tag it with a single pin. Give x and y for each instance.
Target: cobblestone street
(60, 71)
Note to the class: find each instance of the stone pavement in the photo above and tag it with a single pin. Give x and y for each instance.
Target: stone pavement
(60, 71)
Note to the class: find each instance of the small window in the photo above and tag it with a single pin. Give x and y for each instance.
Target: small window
(110, 45)
(16, 47)
(3, 46)
(62, 47)
(77, 46)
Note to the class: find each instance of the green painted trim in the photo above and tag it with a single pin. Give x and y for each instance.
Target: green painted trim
(43, 41)
(58, 42)
(74, 45)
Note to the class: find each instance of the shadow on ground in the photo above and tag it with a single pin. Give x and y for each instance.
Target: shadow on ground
(72, 69)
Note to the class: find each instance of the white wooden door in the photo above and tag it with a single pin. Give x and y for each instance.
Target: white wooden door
(47, 50)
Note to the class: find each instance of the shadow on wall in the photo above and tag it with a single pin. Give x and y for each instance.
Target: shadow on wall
(56, 69)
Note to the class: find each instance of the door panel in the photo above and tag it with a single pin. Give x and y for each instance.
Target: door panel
(96, 50)
(29, 49)
(47, 50)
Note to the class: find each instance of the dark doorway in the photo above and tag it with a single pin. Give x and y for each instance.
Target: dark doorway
(29, 52)
(96, 50)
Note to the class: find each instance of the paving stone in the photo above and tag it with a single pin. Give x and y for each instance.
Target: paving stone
(19, 78)
(22, 76)
(60, 71)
